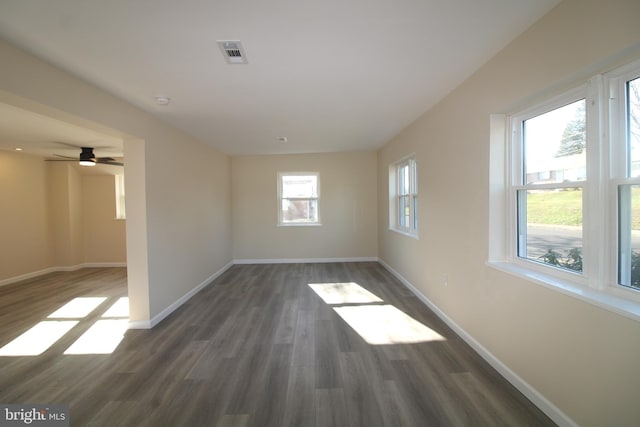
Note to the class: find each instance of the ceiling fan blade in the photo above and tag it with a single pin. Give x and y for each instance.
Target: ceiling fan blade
(109, 162)
(87, 155)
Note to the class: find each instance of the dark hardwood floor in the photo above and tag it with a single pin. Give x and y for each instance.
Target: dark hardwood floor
(260, 347)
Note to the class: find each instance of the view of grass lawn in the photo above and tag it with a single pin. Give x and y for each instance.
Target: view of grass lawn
(565, 207)
(555, 207)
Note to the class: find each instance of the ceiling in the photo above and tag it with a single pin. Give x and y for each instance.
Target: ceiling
(38, 135)
(331, 75)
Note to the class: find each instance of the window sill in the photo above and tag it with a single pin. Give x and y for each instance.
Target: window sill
(616, 304)
(404, 233)
(315, 224)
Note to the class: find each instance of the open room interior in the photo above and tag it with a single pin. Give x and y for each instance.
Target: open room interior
(380, 175)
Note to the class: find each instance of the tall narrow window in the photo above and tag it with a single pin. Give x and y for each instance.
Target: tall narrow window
(403, 189)
(629, 187)
(120, 207)
(550, 192)
(298, 198)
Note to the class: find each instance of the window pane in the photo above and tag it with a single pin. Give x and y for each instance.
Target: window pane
(633, 122)
(554, 145)
(301, 186)
(550, 227)
(299, 211)
(415, 212)
(414, 176)
(403, 211)
(120, 199)
(403, 179)
(629, 236)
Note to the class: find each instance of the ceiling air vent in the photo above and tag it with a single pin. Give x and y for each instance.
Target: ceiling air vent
(233, 51)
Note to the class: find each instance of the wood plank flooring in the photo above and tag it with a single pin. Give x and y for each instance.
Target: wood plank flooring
(258, 347)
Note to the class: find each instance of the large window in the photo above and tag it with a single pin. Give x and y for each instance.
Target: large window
(403, 191)
(573, 187)
(298, 198)
(551, 173)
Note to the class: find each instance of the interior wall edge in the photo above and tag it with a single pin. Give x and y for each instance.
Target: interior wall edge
(149, 324)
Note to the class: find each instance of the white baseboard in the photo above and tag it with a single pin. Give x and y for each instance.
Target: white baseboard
(27, 276)
(303, 260)
(60, 268)
(103, 264)
(525, 388)
(148, 324)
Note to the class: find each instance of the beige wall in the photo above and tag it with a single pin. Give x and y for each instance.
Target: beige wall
(103, 235)
(179, 218)
(64, 191)
(25, 239)
(583, 359)
(347, 207)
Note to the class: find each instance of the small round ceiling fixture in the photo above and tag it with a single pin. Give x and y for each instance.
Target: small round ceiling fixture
(282, 139)
(163, 100)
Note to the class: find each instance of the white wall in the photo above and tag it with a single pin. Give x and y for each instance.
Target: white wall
(347, 207)
(583, 359)
(179, 218)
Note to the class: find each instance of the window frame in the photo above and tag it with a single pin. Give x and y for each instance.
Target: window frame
(517, 183)
(620, 169)
(395, 195)
(606, 126)
(281, 221)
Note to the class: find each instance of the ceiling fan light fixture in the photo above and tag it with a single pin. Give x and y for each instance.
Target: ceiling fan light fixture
(87, 157)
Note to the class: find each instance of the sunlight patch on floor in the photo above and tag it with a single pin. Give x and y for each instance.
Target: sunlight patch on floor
(385, 324)
(119, 308)
(377, 324)
(77, 308)
(103, 337)
(38, 339)
(343, 293)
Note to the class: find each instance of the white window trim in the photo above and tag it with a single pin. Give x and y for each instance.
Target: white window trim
(514, 149)
(394, 223)
(598, 284)
(279, 206)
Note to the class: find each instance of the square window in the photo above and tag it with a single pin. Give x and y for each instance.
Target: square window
(298, 195)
